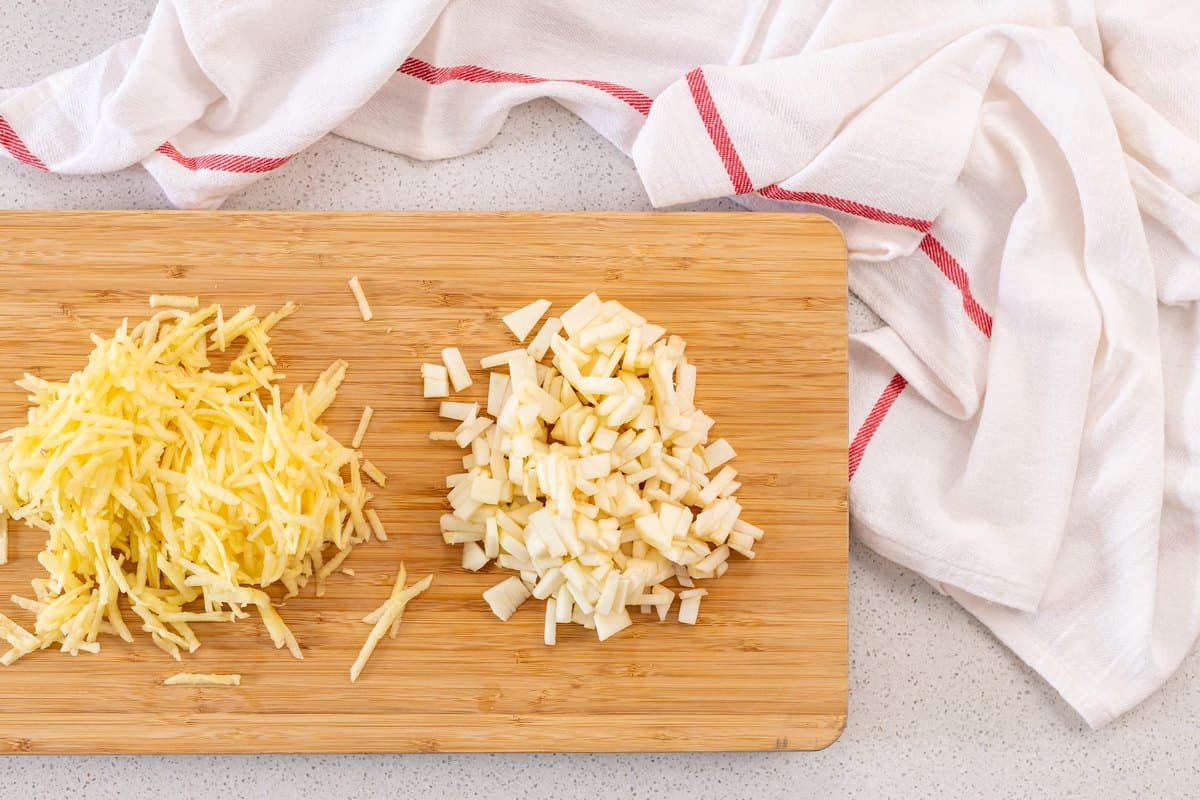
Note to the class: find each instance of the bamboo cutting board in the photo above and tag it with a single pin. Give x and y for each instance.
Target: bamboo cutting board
(760, 300)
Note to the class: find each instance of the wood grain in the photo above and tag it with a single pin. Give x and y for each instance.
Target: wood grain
(761, 301)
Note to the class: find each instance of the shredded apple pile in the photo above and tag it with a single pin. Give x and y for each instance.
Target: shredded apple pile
(184, 489)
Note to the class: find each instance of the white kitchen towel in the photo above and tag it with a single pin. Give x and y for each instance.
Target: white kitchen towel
(1018, 183)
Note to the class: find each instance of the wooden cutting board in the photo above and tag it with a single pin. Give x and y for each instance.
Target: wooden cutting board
(761, 301)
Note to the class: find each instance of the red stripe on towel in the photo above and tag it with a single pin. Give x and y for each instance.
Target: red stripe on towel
(777, 192)
(858, 447)
(221, 162)
(718, 132)
(954, 272)
(470, 73)
(15, 146)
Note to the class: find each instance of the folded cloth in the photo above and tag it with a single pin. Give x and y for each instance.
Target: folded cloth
(1018, 184)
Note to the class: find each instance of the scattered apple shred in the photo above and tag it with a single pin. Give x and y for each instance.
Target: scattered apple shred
(364, 308)
(386, 618)
(203, 679)
(361, 432)
(374, 473)
(376, 524)
(174, 301)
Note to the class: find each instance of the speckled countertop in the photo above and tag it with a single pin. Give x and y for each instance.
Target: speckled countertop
(937, 706)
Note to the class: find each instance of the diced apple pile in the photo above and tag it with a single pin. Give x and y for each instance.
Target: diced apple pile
(593, 477)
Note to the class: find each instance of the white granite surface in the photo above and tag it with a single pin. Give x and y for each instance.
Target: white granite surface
(937, 706)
